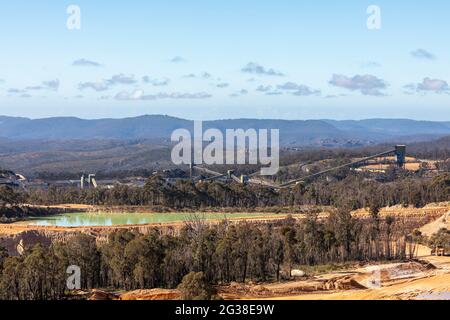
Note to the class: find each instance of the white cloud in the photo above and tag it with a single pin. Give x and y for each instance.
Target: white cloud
(206, 75)
(16, 90)
(274, 93)
(139, 95)
(366, 84)
(177, 59)
(202, 75)
(298, 89)
(156, 82)
(107, 83)
(121, 79)
(52, 84)
(429, 85)
(263, 88)
(134, 95)
(242, 92)
(96, 86)
(223, 85)
(423, 54)
(85, 63)
(254, 68)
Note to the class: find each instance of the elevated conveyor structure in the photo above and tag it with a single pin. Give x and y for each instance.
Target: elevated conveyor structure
(399, 152)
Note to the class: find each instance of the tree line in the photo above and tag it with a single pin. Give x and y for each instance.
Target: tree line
(357, 190)
(221, 253)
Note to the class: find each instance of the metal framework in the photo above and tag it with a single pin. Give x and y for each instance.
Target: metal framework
(399, 152)
(88, 181)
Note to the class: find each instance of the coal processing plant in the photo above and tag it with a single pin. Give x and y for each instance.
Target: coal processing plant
(205, 174)
(394, 157)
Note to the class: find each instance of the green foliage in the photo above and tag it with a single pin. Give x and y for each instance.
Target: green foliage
(195, 287)
(441, 239)
(3, 256)
(326, 268)
(10, 196)
(37, 275)
(209, 255)
(351, 190)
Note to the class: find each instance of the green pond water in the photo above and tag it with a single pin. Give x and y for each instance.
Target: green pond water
(84, 219)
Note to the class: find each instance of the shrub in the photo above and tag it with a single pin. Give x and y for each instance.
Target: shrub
(195, 287)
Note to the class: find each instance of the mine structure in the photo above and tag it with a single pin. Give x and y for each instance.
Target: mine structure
(399, 152)
(400, 159)
(11, 179)
(227, 177)
(88, 181)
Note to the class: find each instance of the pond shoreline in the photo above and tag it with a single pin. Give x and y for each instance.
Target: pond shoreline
(20, 228)
(27, 212)
(109, 219)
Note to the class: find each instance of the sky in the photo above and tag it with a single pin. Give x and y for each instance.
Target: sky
(215, 59)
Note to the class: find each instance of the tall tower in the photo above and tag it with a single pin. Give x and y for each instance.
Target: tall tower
(400, 155)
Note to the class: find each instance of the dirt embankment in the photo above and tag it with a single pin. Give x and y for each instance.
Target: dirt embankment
(434, 226)
(427, 278)
(17, 237)
(405, 281)
(152, 294)
(13, 234)
(423, 279)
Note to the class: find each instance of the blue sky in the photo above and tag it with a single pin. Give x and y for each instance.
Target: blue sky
(208, 59)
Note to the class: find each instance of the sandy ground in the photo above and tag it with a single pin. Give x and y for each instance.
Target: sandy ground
(394, 281)
(409, 280)
(404, 281)
(427, 278)
(433, 227)
(433, 288)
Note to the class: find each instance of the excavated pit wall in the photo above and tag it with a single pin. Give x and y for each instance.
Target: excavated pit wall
(30, 236)
(14, 243)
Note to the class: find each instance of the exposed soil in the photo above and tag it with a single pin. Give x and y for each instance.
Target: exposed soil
(428, 278)
(395, 281)
(13, 234)
(434, 226)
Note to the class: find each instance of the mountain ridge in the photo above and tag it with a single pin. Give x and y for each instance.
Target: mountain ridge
(292, 132)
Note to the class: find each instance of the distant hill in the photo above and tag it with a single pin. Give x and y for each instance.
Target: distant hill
(77, 156)
(76, 145)
(393, 127)
(293, 132)
(145, 127)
